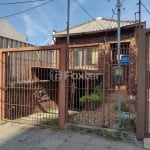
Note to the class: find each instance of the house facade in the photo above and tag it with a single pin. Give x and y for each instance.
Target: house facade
(90, 42)
(80, 85)
(93, 66)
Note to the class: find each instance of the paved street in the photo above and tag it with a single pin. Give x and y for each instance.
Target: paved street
(23, 137)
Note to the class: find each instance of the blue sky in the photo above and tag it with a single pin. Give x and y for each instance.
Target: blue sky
(37, 25)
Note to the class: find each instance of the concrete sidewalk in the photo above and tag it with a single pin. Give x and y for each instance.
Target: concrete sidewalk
(23, 137)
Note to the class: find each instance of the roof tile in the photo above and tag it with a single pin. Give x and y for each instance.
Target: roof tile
(98, 24)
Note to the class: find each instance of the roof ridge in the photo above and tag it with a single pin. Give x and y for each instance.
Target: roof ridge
(78, 25)
(98, 18)
(95, 25)
(131, 21)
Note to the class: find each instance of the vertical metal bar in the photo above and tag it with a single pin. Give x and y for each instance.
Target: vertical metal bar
(140, 12)
(24, 91)
(18, 101)
(68, 22)
(103, 90)
(7, 83)
(27, 100)
(10, 91)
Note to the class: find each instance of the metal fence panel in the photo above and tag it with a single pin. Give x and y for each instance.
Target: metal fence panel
(31, 96)
(92, 92)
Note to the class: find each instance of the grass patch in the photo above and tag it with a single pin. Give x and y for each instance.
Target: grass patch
(115, 136)
(52, 122)
(49, 123)
(3, 122)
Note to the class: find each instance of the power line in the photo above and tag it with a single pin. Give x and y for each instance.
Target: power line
(111, 20)
(145, 8)
(90, 15)
(21, 2)
(113, 10)
(140, 11)
(20, 12)
(86, 11)
(68, 22)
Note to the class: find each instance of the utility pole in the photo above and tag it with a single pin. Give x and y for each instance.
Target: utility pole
(118, 30)
(118, 55)
(140, 12)
(68, 22)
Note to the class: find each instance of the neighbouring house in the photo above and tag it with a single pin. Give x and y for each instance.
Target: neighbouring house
(10, 37)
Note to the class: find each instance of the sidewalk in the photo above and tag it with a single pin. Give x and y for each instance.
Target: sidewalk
(23, 137)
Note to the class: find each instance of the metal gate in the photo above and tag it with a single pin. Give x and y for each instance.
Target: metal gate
(37, 82)
(30, 91)
(93, 94)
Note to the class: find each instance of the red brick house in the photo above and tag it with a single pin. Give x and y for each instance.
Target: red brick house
(93, 50)
(100, 36)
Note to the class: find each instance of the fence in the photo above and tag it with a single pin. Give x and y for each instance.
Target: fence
(52, 86)
(28, 94)
(94, 92)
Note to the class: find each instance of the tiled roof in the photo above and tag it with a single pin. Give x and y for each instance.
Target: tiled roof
(8, 31)
(96, 25)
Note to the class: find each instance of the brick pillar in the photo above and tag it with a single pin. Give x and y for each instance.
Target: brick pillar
(141, 87)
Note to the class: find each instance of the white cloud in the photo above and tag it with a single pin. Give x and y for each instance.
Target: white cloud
(31, 27)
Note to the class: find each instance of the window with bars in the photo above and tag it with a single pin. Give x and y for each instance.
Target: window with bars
(124, 50)
(83, 57)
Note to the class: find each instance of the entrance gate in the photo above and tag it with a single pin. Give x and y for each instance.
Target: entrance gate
(36, 83)
(29, 93)
(93, 92)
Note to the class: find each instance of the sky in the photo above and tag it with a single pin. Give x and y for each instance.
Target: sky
(38, 24)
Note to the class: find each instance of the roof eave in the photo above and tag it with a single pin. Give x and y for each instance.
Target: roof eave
(100, 31)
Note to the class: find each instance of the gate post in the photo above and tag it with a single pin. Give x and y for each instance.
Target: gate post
(62, 88)
(141, 86)
(2, 83)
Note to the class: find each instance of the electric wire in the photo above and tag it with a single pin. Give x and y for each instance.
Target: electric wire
(23, 11)
(114, 11)
(111, 20)
(87, 12)
(145, 8)
(21, 2)
(90, 15)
